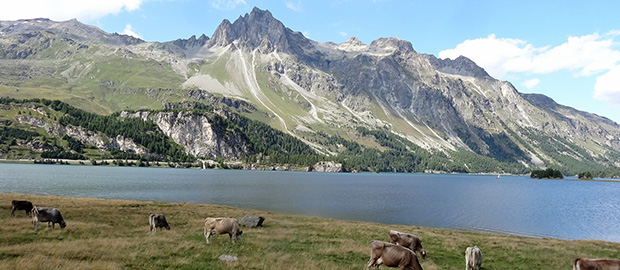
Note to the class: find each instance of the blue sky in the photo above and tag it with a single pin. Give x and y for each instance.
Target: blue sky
(567, 50)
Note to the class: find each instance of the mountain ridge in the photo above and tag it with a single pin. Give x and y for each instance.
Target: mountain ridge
(306, 89)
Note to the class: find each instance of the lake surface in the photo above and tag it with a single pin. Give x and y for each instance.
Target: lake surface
(511, 205)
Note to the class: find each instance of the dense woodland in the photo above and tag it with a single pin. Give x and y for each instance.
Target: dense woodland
(273, 147)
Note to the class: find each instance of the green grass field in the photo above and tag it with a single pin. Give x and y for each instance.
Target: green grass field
(113, 234)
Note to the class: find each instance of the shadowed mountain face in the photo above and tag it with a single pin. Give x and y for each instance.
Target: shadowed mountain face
(306, 88)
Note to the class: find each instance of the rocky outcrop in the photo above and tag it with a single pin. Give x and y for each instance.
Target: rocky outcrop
(86, 137)
(327, 166)
(198, 133)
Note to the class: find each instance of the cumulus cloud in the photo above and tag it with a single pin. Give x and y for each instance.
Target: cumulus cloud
(607, 87)
(588, 55)
(226, 4)
(128, 31)
(529, 84)
(65, 9)
(294, 6)
(343, 34)
(584, 56)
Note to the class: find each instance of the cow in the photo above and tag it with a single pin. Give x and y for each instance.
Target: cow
(21, 205)
(392, 255)
(47, 214)
(409, 241)
(157, 221)
(596, 264)
(473, 258)
(222, 226)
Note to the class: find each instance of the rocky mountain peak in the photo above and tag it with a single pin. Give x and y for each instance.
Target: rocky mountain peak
(459, 66)
(352, 44)
(71, 29)
(259, 29)
(391, 44)
(192, 41)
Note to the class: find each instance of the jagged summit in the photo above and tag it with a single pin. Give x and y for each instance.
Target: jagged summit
(259, 30)
(459, 66)
(191, 41)
(352, 44)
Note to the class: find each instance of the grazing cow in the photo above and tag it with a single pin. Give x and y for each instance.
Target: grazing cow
(49, 215)
(473, 258)
(596, 264)
(392, 255)
(409, 241)
(21, 205)
(222, 226)
(157, 221)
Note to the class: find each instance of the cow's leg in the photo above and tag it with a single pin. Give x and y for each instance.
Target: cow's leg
(232, 240)
(207, 235)
(154, 230)
(13, 211)
(370, 263)
(36, 225)
(378, 262)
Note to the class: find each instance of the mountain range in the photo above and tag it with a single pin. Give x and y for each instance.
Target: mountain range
(313, 91)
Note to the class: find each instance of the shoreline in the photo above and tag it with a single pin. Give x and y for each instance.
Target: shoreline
(110, 161)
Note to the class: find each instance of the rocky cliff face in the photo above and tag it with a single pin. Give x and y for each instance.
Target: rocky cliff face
(86, 137)
(198, 134)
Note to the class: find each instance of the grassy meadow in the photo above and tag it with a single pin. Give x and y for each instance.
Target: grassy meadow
(113, 234)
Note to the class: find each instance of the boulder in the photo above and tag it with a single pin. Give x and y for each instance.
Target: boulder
(251, 221)
(228, 258)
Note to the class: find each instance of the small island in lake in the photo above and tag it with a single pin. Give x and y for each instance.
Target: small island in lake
(547, 174)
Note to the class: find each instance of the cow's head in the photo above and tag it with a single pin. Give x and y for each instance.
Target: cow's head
(167, 226)
(63, 224)
(239, 233)
(423, 254)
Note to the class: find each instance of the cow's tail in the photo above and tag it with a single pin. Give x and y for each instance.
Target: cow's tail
(576, 264)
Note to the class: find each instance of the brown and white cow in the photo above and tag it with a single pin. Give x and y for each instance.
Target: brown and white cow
(157, 221)
(49, 215)
(392, 255)
(596, 264)
(21, 205)
(222, 226)
(473, 258)
(409, 241)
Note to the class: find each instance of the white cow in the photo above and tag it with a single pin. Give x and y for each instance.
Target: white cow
(473, 258)
(222, 226)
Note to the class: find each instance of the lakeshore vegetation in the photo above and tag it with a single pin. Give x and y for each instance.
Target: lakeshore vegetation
(113, 234)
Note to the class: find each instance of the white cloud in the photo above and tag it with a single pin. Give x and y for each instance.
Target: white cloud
(128, 31)
(61, 10)
(294, 6)
(584, 56)
(343, 34)
(226, 4)
(607, 87)
(529, 84)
